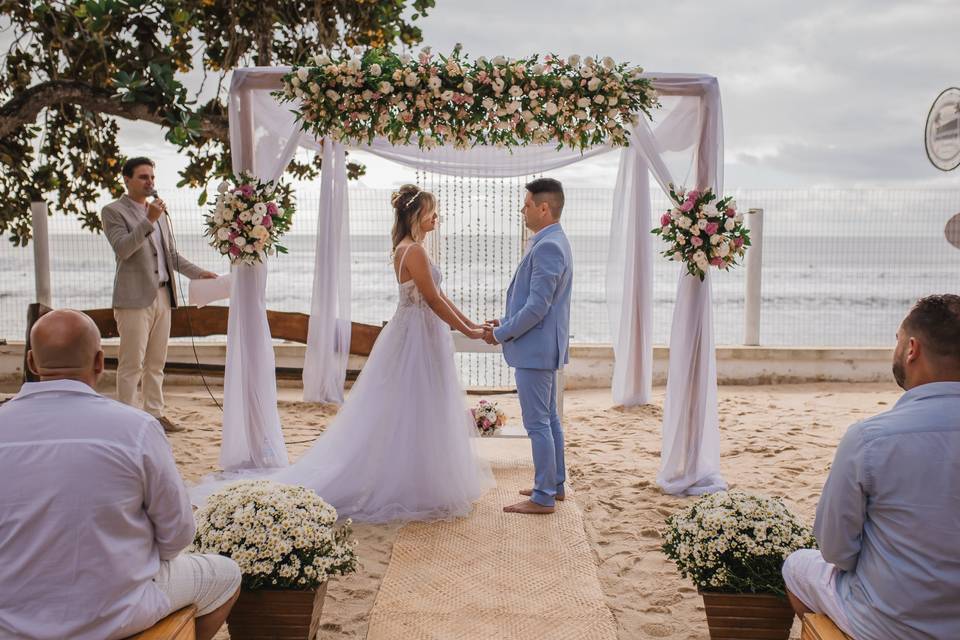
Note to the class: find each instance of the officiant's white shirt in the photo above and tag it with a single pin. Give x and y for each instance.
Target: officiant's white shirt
(90, 502)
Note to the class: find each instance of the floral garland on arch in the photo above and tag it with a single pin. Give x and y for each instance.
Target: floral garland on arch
(437, 100)
(703, 231)
(246, 222)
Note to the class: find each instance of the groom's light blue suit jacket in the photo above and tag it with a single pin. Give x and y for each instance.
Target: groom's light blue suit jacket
(535, 332)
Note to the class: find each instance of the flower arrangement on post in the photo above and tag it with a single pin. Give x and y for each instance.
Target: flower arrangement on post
(703, 231)
(246, 222)
(437, 100)
(284, 539)
(732, 545)
(488, 418)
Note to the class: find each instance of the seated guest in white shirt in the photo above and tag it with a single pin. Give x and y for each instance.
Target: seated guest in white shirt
(93, 513)
(888, 522)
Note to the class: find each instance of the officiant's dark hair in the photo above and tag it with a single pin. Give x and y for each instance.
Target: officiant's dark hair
(409, 203)
(936, 319)
(550, 191)
(133, 163)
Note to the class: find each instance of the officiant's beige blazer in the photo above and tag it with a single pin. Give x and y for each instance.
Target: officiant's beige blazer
(137, 278)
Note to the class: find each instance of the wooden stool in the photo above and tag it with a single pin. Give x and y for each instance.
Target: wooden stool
(178, 625)
(817, 626)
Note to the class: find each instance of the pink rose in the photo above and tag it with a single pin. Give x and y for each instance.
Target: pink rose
(738, 242)
(696, 241)
(664, 219)
(483, 402)
(693, 195)
(267, 222)
(716, 261)
(246, 190)
(234, 250)
(272, 208)
(686, 206)
(731, 213)
(712, 228)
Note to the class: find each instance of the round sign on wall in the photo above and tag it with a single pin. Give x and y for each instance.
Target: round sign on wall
(943, 130)
(952, 231)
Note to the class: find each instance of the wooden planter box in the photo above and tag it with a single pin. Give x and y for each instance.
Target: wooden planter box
(281, 614)
(747, 616)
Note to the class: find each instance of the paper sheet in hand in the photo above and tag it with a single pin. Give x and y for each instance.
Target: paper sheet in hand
(203, 292)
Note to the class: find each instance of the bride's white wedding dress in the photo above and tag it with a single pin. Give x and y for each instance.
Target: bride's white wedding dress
(402, 445)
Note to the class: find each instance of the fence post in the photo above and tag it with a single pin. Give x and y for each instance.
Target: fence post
(754, 279)
(41, 253)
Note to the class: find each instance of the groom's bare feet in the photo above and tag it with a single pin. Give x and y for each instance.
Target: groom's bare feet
(528, 506)
(529, 492)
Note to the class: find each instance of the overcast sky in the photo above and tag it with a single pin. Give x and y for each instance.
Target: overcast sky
(814, 93)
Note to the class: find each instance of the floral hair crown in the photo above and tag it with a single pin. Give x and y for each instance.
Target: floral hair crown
(397, 195)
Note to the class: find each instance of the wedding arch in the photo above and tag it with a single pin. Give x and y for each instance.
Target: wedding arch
(682, 140)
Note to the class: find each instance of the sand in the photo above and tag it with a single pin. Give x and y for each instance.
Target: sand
(777, 440)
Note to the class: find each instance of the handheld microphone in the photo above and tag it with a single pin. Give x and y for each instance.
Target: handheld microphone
(153, 194)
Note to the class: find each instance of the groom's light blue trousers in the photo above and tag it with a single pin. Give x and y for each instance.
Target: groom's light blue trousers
(537, 390)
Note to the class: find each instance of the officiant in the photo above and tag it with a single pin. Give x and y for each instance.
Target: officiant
(144, 287)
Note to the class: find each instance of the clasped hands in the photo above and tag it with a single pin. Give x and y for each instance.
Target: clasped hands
(485, 331)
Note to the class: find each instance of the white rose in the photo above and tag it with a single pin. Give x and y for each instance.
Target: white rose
(715, 239)
(434, 82)
(481, 61)
(537, 69)
(580, 115)
(711, 209)
(723, 250)
(386, 87)
(598, 99)
(551, 108)
(738, 218)
(702, 223)
(468, 87)
(375, 70)
(256, 218)
(608, 62)
(488, 103)
(224, 249)
(566, 82)
(515, 91)
(499, 60)
(594, 84)
(245, 216)
(583, 102)
(498, 85)
(260, 232)
(573, 60)
(223, 187)
(405, 58)
(589, 61)
(260, 209)
(303, 74)
(295, 81)
(239, 241)
(321, 60)
(612, 101)
(354, 65)
(333, 95)
(223, 234)
(683, 222)
(729, 224)
(411, 80)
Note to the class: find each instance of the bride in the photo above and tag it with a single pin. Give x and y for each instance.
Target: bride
(401, 447)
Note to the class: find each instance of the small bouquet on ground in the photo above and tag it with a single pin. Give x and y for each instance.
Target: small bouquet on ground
(488, 418)
(735, 542)
(246, 223)
(703, 231)
(282, 536)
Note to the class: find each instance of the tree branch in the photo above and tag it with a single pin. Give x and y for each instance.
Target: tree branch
(23, 108)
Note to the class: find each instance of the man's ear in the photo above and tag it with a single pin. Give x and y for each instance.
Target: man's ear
(98, 364)
(31, 364)
(914, 347)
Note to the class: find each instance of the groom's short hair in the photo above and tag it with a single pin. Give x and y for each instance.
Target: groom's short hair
(550, 191)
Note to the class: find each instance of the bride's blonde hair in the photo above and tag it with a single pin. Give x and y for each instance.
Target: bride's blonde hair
(410, 203)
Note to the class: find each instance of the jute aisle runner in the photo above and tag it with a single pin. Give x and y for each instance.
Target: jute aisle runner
(493, 574)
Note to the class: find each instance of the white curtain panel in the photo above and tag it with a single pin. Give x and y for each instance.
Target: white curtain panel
(686, 136)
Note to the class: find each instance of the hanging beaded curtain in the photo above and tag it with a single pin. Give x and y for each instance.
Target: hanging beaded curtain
(477, 246)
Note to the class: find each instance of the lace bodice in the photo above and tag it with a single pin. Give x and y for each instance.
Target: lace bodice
(410, 295)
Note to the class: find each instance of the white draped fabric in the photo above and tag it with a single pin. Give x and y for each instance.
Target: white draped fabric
(686, 135)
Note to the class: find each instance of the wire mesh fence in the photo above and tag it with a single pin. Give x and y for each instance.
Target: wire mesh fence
(841, 267)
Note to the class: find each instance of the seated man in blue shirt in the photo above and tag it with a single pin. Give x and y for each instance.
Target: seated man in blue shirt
(888, 522)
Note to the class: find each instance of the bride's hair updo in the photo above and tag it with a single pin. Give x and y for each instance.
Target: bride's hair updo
(409, 204)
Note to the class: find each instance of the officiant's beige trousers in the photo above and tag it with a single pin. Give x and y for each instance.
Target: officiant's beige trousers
(144, 334)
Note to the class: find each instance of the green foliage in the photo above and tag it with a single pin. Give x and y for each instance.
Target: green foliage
(74, 66)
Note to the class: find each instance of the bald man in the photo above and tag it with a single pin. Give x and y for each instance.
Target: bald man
(93, 513)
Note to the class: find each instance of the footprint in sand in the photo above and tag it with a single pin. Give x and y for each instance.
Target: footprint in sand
(657, 630)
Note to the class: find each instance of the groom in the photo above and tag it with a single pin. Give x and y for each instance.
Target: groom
(534, 334)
